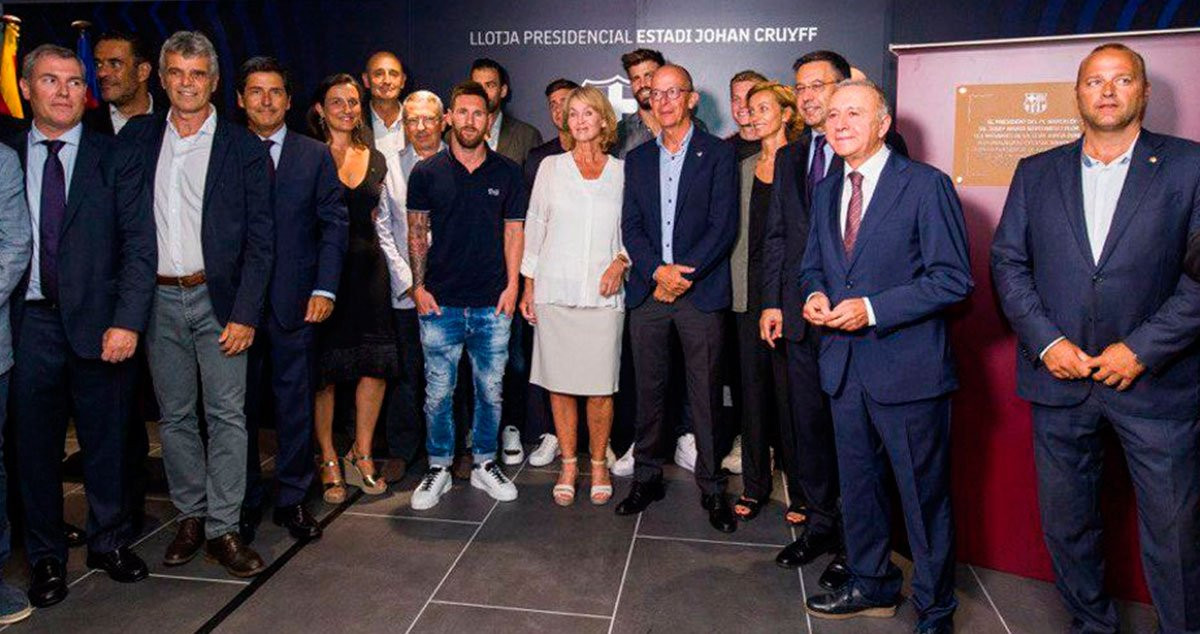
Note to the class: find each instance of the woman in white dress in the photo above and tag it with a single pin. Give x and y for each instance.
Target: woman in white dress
(574, 267)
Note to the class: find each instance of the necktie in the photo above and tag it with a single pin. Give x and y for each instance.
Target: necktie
(816, 171)
(267, 143)
(853, 213)
(53, 210)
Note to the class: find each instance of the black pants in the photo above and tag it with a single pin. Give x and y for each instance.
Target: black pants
(807, 441)
(700, 337)
(764, 403)
(1164, 463)
(50, 384)
(406, 395)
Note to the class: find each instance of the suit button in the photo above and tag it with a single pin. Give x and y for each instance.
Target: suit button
(849, 284)
(1096, 279)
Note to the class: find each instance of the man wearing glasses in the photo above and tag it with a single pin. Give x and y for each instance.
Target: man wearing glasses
(679, 223)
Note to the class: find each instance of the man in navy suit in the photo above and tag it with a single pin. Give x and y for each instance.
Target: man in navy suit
(679, 223)
(311, 228)
(83, 303)
(886, 256)
(208, 184)
(1088, 263)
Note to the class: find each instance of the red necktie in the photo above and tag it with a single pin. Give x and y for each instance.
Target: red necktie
(853, 213)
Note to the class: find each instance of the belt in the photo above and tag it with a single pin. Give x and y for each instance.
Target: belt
(187, 281)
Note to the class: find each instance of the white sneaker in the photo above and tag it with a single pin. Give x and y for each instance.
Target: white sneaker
(492, 480)
(510, 440)
(547, 450)
(623, 467)
(434, 483)
(685, 452)
(733, 462)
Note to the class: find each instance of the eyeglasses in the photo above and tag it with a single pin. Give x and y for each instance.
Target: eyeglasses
(417, 122)
(670, 94)
(816, 87)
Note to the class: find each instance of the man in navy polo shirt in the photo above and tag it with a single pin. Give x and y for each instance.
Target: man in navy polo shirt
(472, 200)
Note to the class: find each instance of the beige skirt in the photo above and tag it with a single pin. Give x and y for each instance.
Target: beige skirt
(577, 350)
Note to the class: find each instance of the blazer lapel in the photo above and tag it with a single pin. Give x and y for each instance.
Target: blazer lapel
(22, 148)
(892, 181)
(220, 147)
(86, 164)
(1143, 167)
(834, 212)
(151, 166)
(691, 163)
(652, 182)
(287, 154)
(1071, 183)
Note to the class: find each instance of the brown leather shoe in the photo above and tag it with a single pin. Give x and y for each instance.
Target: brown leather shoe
(229, 551)
(188, 540)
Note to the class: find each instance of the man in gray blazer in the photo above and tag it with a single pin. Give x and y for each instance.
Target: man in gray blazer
(509, 135)
(16, 247)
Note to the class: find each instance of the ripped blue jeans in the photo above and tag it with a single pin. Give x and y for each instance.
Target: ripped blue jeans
(484, 334)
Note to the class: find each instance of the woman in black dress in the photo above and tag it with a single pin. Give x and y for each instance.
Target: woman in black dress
(357, 343)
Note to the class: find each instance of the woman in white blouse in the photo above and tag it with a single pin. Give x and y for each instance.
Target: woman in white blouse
(574, 267)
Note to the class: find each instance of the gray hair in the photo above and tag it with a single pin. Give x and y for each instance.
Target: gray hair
(425, 96)
(46, 50)
(189, 44)
(880, 96)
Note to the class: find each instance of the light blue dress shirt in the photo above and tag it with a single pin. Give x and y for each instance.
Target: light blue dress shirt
(670, 167)
(35, 162)
(827, 150)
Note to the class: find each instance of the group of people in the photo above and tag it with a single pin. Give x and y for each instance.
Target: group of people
(256, 269)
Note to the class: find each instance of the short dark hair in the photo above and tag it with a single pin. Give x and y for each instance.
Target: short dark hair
(490, 64)
(141, 52)
(633, 58)
(839, 63)
(468, 89)
(560, 84)
(263, 64)
(747, 75)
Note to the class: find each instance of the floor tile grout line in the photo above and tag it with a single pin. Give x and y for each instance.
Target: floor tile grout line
(231, 582)
(787, 498)
(697, 540)
(512, 608)
(625, 572)
(988, 595)
(85, 575)
(413, 518)
(462, 552)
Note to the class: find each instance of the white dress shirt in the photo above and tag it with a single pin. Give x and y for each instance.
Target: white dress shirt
(35, 162)
(573, 233)
(494, 131)
(871, 170)
(119, 119)
(179, 180)
(388, 138)
(391, 226)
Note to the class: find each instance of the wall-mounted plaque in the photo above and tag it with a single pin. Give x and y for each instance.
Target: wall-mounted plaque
(997, 125)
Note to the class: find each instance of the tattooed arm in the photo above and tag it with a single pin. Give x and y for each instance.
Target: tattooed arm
(418, 259)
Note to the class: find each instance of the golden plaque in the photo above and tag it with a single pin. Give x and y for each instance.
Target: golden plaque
(996, 125)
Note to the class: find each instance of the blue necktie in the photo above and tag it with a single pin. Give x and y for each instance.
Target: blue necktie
(267, 143)
(52, 212)
(816, 171)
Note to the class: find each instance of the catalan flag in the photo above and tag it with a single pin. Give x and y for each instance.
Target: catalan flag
(10, 96)
(84, 50)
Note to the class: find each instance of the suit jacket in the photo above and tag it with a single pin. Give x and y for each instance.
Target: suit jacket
(911, 261)
(237, 228)
(16, 243)
(311, 228)
(517, 138)
(1050, 286)
(706, 219)
(107, 250)
(99, 119)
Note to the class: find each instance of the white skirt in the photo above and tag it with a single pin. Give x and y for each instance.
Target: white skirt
(577, 350)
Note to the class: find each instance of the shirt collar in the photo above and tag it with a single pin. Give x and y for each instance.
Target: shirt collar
(687, 139)
(495, 129)
(409, 150)
(70, 137)
(872, 167)
(208, 127)
(396, 125)
(1123, 159)
(112, 108)
(278, 137)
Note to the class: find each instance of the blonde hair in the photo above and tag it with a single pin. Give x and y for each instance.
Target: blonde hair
(792, 125)
(592, 97)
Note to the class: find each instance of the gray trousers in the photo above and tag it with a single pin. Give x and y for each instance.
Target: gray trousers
(184, 353)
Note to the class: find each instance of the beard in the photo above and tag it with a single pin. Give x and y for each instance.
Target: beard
(471, 144)
(643, 98)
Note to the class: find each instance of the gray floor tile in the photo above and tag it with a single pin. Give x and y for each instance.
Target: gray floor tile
(674, 586)
(454, 619)
(1033, 606)
(680, 514)
(567, 559)
(98, 605)
(365, 574)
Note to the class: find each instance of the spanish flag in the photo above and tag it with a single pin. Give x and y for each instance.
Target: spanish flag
(10, 96)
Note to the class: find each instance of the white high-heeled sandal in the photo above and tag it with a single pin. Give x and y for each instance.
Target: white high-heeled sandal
(601, 493)
(564, 494)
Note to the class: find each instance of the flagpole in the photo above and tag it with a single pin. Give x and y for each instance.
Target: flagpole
(84, 49)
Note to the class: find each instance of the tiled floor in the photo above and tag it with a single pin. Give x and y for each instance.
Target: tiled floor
(472, 564)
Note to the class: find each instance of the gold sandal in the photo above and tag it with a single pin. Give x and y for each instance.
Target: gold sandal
(335, 489)
(371, 484)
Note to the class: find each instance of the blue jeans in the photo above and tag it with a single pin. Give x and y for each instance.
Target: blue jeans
(485, 336)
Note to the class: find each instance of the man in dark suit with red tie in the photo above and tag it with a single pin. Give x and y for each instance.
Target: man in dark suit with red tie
(1088, 261)
(886, 256)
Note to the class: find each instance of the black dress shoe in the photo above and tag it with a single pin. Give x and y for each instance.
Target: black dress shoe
(248, 521)
(945, 626)
(75, 536)
(121, 565)
(720, 513)
(849, 603)
(836, 575)
(810, 546)
(299, 522)
(48, 584)
(641, 495)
